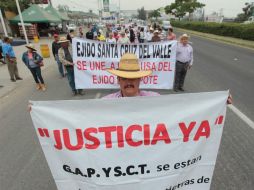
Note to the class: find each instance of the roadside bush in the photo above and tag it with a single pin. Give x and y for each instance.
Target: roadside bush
(236, 30)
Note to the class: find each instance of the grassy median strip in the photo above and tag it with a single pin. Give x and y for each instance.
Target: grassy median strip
(233, 41)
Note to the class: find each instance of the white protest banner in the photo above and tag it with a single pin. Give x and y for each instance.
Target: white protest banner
(144, 143)
(92, 58)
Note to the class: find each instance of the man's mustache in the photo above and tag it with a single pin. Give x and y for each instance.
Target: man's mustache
(129, 86)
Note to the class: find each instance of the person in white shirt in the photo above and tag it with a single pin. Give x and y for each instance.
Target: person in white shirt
(123, 38)
(141, 35)
(184, 61)
(110, 39)
(127, 33)
(149, 35)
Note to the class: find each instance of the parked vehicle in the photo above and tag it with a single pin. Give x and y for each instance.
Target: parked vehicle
(71, 27)
(18, 42)
(166, 24)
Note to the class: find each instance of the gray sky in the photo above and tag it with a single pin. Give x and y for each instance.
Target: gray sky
(230, 7)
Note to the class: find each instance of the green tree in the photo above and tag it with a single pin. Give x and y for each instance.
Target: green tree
(248, 11)
(10, 5)
(155, 14)
(63, 8)
(241, 17)
(180, 7)
(142, 14)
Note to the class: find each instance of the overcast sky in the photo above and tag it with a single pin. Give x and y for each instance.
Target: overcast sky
(230, 7)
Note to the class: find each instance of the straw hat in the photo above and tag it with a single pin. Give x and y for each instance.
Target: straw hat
(31, 46)
(156, 31)
(184, 36)
(129, 68)
(63, 39)
(122, 32)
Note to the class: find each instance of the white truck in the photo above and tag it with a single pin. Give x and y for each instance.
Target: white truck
(166, 24)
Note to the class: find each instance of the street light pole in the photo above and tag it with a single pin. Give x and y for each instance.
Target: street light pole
(22, 22)
(119, 8)
(2, 20)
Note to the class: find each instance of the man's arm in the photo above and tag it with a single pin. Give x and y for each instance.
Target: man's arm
(62, 58)
(191, 56)
(53, 49)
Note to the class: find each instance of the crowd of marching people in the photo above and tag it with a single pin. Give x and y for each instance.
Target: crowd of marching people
(132, 33)
(121, 34)
(129, 33)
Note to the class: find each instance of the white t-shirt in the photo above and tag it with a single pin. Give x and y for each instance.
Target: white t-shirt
(149, 36)
(124, 40)
(142, 35)
(113, 40)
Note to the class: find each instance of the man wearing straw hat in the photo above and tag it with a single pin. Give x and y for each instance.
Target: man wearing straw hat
(156, 37)
(184, 61)
(123, 39)
(128, 77)
(66, 58)
(33, 61)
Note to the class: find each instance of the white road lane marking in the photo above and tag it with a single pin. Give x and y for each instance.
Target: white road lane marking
(98, 95)
(247, 120)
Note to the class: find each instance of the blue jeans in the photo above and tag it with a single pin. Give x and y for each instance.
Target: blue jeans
(36, 72)
(60, 66)
(70, 76)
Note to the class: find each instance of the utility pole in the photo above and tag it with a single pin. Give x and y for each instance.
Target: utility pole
(119, 8)
(22, 22)
(2, 20)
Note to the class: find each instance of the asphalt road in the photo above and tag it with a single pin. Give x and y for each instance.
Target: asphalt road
(23, 165)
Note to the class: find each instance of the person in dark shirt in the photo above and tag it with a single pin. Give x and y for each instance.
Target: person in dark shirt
(55, 48)
(89, 34)
(132, 36)
(70, 35)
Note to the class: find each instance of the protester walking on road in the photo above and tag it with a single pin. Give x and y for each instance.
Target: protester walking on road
(89, 34)
(132, 36)
(65, 56)
(110, 39)
(33, 61)
(100, 36)
(141, 35)
(10, 59)
(55, 47)
(149, 35)
(171, 35)
(123, 38)
(80, 34)
(116, 35)
(156, 37)
(70, 35)
(1, 52)
(129, 76)
(184, 61)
